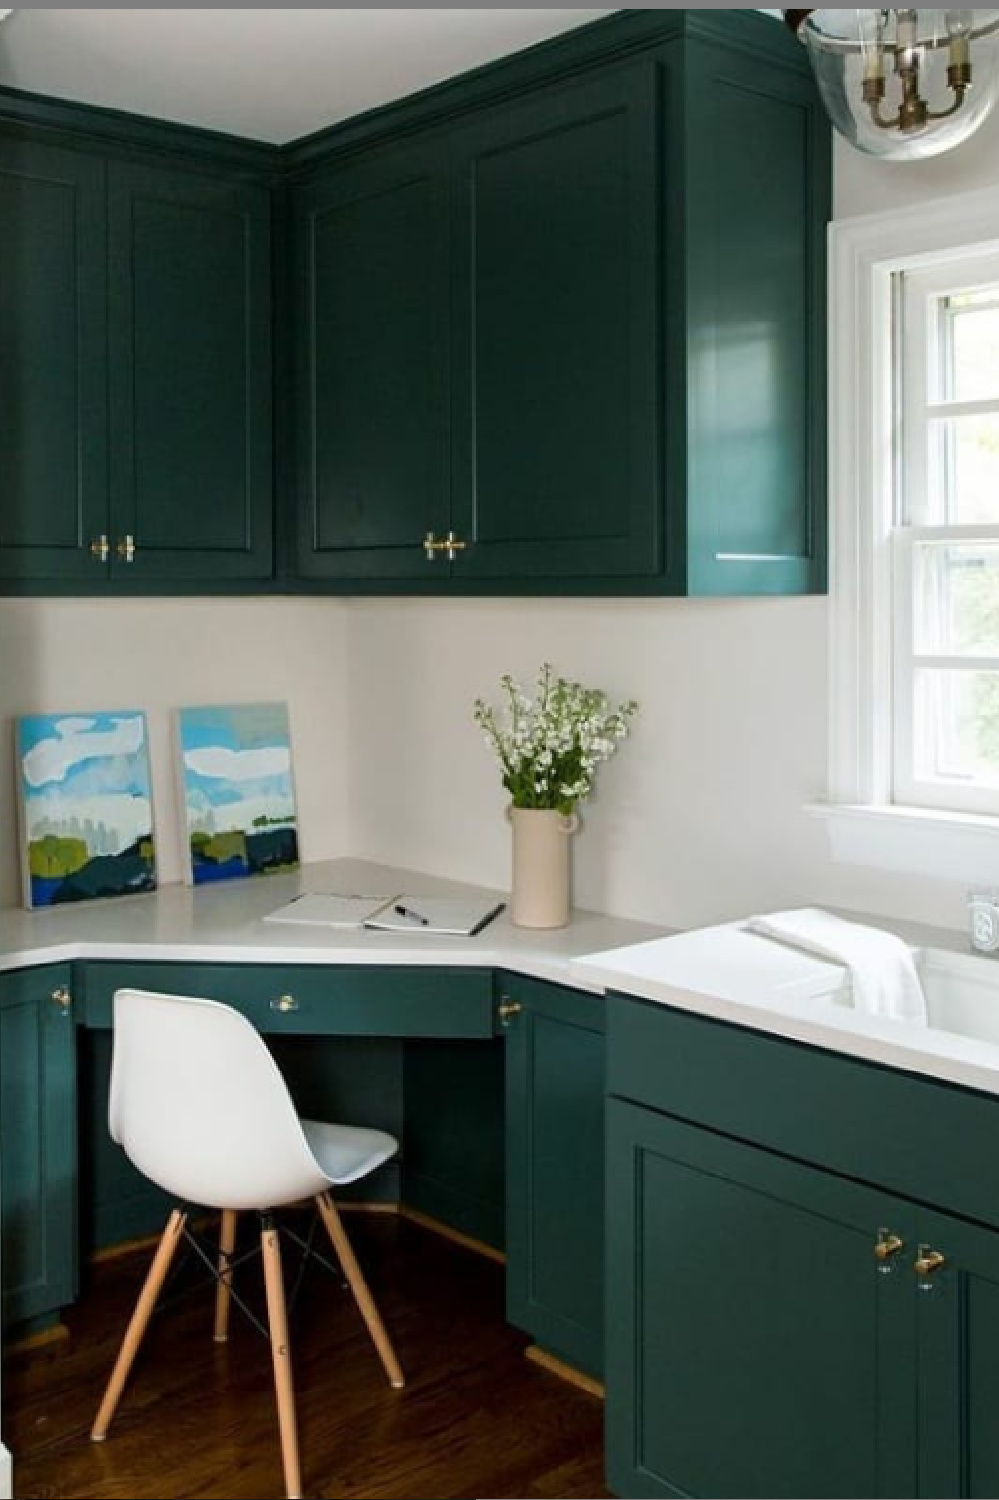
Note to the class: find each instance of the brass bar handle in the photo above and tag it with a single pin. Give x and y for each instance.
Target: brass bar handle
(284, 1004)
(63, 998)
(887, 1245)
(453, 546)
(507, 1009)
(126, 548)
(100, 548)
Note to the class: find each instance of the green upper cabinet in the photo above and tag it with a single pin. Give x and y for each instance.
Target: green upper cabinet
(745, 264)
(372, 252)
(135, 374)
(53, 383)
(190, 363)
(555, 368)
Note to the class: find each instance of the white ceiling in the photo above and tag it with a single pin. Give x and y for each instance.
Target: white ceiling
(269, 74)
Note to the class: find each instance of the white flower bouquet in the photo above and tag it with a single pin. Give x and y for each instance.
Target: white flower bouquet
(549, 746)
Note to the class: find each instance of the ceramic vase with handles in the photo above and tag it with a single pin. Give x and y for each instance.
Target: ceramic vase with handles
(539, 892)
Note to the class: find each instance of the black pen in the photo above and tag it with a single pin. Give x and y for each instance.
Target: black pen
(407, 911)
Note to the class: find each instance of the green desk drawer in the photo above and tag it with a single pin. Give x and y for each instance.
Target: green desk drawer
(312, 1000)
(926, 1139)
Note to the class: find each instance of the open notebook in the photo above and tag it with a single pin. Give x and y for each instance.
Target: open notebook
(329, 909)
(461, 916)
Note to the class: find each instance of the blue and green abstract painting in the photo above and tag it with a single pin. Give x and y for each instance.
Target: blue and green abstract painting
(86, 806)
(238, 790)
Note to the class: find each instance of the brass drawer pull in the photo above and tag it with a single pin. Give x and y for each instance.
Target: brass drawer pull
(926, 1266)
(507, 1009)
(100, 547)
(284, 1004)
(62, 998)
(888, 1245)
(126, 549)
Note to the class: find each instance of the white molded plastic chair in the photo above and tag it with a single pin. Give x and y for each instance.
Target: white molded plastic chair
(200, 1107)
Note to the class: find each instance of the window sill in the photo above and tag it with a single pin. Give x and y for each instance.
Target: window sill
(913, 840)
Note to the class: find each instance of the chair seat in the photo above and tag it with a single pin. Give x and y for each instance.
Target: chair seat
(347, 1152)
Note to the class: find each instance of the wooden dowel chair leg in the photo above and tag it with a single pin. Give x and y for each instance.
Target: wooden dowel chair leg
(362, 1296)
(151, 1289)
(277, 1315)
(223, 1292)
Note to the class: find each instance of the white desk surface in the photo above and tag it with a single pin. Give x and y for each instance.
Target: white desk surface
(224, 924)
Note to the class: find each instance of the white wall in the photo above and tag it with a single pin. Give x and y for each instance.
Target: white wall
(77, 654)
(699, 817)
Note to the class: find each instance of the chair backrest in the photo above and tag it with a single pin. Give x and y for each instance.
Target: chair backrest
(200, 1106)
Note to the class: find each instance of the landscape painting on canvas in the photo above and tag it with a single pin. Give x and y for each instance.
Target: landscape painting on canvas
(85, 805)
(238, 791)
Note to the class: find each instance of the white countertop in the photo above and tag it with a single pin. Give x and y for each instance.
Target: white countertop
(224, 924)
(731, 974)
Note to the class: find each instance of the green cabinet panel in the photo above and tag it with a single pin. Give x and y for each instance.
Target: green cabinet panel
(753, 225)
(555, 370)
(755, 1345)
(309, 1000)
(53, 387)
(372, 273)
(190, 362)
(555, 1155)
(38, 1260)
(958, 1334)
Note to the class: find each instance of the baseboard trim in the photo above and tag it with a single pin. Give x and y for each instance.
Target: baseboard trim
(568, 1373)
(457, 1236)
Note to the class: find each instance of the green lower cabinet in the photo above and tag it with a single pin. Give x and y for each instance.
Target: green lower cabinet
(554, 1167)
(755, 1344)
(958, 1332)
(38, 1268)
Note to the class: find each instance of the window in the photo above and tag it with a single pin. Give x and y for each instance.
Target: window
(914, 482)
(945, 536)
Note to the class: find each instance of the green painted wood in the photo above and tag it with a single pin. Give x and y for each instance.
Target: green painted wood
(555, 1155)
(394, 1000)
(821, 1107)
(372, 260)
(53, 394)
(454, 1140)
(555, 343)
(190, 364)
(37, 1144)
(754, 230)
(958, 1332)
(753, 1348)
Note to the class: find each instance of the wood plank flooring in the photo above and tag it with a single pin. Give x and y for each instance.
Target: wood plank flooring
(198, 1420)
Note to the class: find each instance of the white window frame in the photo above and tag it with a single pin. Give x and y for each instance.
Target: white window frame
(866, 826)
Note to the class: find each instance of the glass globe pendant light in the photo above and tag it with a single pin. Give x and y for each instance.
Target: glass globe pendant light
(903, 84)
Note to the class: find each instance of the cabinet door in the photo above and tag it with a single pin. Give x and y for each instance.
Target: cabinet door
(37, 1142)
(372, 255)
(190, 351)
(754, 1347)
(754, 223)
(555, 370)
(53, 373)
(555, 1152)
(958, 1332)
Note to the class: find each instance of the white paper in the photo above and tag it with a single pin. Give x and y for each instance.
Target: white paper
(329, 909)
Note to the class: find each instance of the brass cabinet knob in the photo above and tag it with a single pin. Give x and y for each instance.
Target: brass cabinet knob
(284, 1003)
(507, 1009)
(62, 998)
(100, 548)
(927, 1264)
(887, 1245)
(431, 546)
(125, 549)
(453, 545)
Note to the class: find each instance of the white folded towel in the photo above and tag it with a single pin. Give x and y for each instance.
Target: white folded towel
(885, 981)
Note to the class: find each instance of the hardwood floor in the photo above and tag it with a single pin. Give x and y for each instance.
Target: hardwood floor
(198, 1419)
